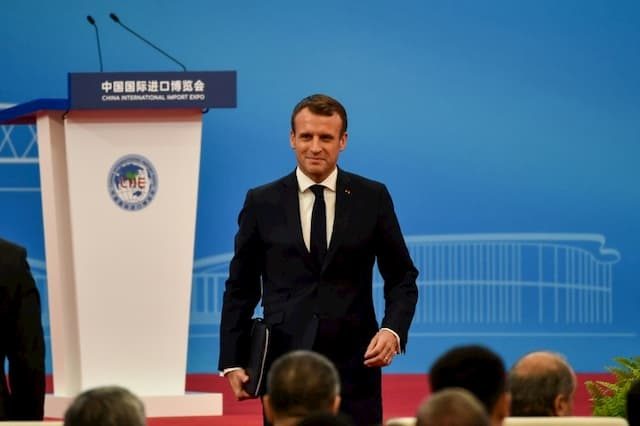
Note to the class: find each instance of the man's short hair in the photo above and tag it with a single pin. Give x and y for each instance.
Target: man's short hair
(474, 368)
(320, 104)
(302, 382)
(106, 406)
(535, 385)
(452, 407)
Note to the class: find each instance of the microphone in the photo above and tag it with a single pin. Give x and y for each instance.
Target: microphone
(115, 19)
(93, 23)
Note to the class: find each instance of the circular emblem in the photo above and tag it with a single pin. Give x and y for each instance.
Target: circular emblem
(132, 182)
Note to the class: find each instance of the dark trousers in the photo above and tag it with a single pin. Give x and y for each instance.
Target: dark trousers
(361, 386)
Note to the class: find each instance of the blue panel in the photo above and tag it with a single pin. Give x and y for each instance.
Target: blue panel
(507, 133)
(26, 113)
(142, 90)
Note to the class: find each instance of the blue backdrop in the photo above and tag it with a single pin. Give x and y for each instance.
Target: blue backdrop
(507, 132)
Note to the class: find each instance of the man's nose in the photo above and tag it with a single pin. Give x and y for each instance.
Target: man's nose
(315, 145)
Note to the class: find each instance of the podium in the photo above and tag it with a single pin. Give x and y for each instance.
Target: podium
(119, 180)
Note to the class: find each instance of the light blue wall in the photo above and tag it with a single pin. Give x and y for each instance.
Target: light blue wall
(498, 117)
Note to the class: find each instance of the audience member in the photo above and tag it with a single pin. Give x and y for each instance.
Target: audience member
(301, 383)
(21, 338)
(106, 406)
(478, 370)
(452, 407)
(633, 404)
(542, 384)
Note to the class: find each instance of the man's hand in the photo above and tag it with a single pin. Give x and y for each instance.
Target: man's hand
(381, 350)
(236, 379)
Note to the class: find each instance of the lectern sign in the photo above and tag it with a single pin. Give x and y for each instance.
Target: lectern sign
(133, 182)
(150, 90)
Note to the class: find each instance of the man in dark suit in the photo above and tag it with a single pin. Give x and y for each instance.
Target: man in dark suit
(21, 338)
(306, 245)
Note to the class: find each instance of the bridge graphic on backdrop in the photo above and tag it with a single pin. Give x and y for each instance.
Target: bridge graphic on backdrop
(18, 148)
(476, 281)
(535, 283)
(496, 284)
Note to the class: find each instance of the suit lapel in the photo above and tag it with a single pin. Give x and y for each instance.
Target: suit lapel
(342, 214)
(292, 214)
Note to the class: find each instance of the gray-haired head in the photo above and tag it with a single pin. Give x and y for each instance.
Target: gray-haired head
(452, 407)
(300, 383)
(106, 406)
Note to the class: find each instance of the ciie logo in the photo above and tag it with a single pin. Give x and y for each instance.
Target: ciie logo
(133, 182)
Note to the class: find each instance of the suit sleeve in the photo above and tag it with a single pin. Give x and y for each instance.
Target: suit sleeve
(242, 289)
(26, 350)
(397, 270)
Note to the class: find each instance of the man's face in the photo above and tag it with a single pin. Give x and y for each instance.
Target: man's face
(317, 142)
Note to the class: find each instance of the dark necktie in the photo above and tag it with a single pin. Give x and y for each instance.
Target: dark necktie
(318, 246)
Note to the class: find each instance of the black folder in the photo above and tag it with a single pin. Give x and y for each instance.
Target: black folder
(260, 338)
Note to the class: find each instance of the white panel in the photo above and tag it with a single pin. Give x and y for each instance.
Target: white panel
(197, 404)
(60, 278)
(133, 268)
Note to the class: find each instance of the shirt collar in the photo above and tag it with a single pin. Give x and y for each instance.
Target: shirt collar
(304, 181)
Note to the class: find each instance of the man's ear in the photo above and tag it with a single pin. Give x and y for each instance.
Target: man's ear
(268, 412)
(292, 139)
(562, 405)
(336, 404)
(343, 141)
(502, 409)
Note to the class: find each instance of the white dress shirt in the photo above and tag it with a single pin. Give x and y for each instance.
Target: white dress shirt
(306, 200)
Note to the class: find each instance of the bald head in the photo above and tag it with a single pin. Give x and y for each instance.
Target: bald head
(540, 363)
(542, 384)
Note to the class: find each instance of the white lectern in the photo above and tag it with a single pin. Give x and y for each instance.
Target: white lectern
(119, 190)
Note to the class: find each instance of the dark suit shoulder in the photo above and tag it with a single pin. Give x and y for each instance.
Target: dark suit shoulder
(12, 267)
(352, 179)
(10, 254)
(276, 186)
